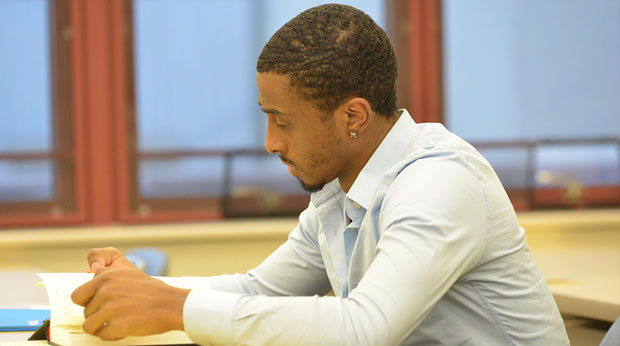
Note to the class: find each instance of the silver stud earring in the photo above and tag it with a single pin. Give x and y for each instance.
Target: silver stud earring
(353, 134)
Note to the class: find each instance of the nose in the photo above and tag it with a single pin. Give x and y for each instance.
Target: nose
(273, 139)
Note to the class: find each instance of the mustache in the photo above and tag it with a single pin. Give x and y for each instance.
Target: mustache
(285, 160)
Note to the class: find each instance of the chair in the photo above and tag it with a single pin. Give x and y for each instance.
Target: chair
(150, 260)
(612, 337)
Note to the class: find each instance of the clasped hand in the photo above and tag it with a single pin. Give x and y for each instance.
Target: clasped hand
(122, 301)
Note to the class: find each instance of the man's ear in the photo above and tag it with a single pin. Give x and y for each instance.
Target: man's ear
(358, 114)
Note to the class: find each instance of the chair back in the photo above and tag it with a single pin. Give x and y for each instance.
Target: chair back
(612, 337)
(150, 260)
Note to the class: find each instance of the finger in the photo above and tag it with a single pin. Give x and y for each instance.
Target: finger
(94, 266)
(83, 294)
(109, 332)
(101, 270)
(95, 323)
(93, 305)
(102, 277)
(96, 258)
(99, 297)
(102, 257)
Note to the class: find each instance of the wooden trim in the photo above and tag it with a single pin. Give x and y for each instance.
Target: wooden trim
(66, 207)
(60, 29)
(132, 204)
(416, 33)
(94, 106)
(398, 30)
(78, 93)
(520, 199)
(425, 74)
(123, 81)
(36, 156)
(27, 208)
(591, 196)
(30, 220)
(556, 198)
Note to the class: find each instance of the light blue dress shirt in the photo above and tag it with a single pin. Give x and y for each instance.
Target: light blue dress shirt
(424, 249)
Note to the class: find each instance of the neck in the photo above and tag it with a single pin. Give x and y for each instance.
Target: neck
(362, 149)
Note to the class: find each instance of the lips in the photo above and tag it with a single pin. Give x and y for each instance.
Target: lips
(291, 165)
(285, 160)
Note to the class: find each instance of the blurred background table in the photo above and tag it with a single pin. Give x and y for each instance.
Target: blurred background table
(19, 292)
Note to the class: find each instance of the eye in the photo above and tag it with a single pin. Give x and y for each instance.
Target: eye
(281, 123)
(278, 121)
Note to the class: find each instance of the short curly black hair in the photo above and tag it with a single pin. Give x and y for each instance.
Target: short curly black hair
(333, 52)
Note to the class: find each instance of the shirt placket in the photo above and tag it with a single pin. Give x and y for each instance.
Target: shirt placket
(353, 216)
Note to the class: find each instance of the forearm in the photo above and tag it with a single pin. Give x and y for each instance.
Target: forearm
(392, 299)
(228, 319)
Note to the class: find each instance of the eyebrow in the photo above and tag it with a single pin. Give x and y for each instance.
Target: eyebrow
(270, 110)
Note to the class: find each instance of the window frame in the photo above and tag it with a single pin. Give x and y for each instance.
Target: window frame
(95, 147)
(66, 207)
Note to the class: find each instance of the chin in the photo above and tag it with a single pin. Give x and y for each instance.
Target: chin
(311, 187)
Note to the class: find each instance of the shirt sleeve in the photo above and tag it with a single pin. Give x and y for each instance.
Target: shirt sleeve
(433, 231)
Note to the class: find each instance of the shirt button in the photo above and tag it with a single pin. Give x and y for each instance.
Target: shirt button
(355, 205)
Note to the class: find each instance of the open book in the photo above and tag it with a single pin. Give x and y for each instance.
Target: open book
(67, 317)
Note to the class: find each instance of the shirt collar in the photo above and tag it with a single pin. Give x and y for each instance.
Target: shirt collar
(392, 149)
(328, 191)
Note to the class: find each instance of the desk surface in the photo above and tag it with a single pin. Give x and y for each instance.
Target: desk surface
(580, 258)
(597, 298)
(578, 253)
(10, 342)
(5, 337)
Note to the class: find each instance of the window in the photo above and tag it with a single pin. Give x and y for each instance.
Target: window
(138, 111)
(143, 111)
(199, 133)
(36, 146)
(535, 86)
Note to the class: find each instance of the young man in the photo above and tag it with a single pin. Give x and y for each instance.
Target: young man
(407, 224)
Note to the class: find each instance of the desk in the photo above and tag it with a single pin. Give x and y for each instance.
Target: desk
(23, 343)
(579, 255)
(14, 336)
(577, 251)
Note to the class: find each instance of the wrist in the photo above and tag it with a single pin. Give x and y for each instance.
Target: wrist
(177, 302)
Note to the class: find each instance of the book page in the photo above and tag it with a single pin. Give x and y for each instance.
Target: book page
(59, 287)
